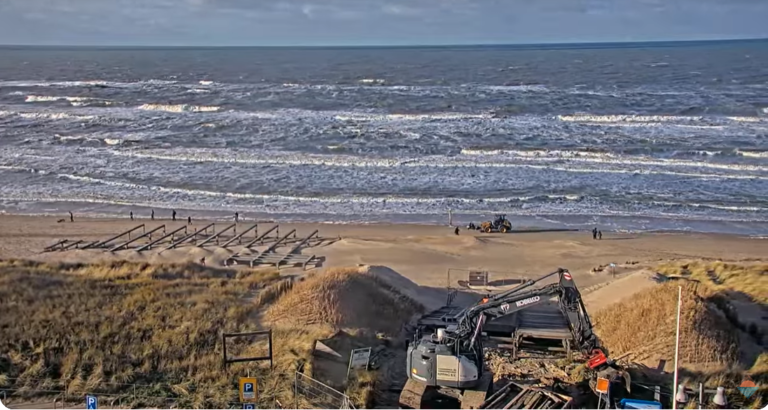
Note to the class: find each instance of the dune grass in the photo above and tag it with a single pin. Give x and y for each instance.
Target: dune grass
(344, 298)
(104, 328)
(749, 279)
(644, 325)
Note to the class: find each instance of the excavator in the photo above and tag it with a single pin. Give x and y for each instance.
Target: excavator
(451, 359)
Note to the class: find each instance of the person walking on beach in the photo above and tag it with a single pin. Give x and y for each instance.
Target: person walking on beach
(594, 233)
(457, 230)
(600, 235)
(202, 261)
(131, 215)
(71, 217)
(173, 214)
(152, 215)
(237, 216)
(189, 220)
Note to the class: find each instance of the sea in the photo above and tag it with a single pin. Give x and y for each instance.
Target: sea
(624, 137)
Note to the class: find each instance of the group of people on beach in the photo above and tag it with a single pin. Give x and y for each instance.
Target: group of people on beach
(152, 216)
(597, 234)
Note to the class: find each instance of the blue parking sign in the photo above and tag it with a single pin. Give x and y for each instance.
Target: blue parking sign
(249, 406)
(91, 402)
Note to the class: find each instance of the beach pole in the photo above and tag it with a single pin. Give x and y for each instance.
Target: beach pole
(450, 217)
(677, 346)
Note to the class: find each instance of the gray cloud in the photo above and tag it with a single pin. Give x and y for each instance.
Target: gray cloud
(314, 22)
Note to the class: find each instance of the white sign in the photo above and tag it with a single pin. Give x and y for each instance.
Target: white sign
(359, 358)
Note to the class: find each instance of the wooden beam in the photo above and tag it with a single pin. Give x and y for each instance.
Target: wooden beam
(276, 244)
(149, 245)
(71, 245)
(104, 243)
(124, 244)
(237, 238)
(59, 243)
(216, 235)
(296, 247)
(188, 237)
(261, 237)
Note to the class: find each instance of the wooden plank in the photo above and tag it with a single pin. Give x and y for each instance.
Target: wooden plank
(123, 245)
(104, 243)
(262, 236)
(149, 245)
(71, 245)
(297, 246)
(238, 237)
(216, 235)
(188, 237)
(59, 243)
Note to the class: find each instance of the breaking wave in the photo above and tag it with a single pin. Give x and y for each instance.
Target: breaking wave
(179, 108)
(613, 158)
(628, 118)
(469, 159)
(378, 81)
(752, 154)
(89, 83)
(74, 101)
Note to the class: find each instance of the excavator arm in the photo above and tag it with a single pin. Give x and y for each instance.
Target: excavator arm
(519, 298)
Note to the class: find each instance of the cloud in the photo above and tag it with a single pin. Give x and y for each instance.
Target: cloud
(313, 22)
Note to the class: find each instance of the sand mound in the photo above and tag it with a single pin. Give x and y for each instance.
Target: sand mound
(644, 325)
(345, 298)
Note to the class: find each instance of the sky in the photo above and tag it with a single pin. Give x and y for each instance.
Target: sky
(374, 22)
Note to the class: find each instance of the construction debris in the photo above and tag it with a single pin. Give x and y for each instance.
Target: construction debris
(517, 396)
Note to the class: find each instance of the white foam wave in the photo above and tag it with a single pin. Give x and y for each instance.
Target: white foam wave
(48, 98)
(752, 154)
(373, 81)
(746, 119)
(113, 141)
(89, 83)
(206, 82)
(280, 158)
(447, 116)
(54, 116)
(611, 158)
(74, 101)
(76, 138)
(628, 118)
(326, 199)
(179, 108)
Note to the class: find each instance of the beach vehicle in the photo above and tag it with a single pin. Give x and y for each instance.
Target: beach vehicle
(499, 224)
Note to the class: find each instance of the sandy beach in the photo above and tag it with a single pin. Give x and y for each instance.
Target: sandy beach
(422, 253)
